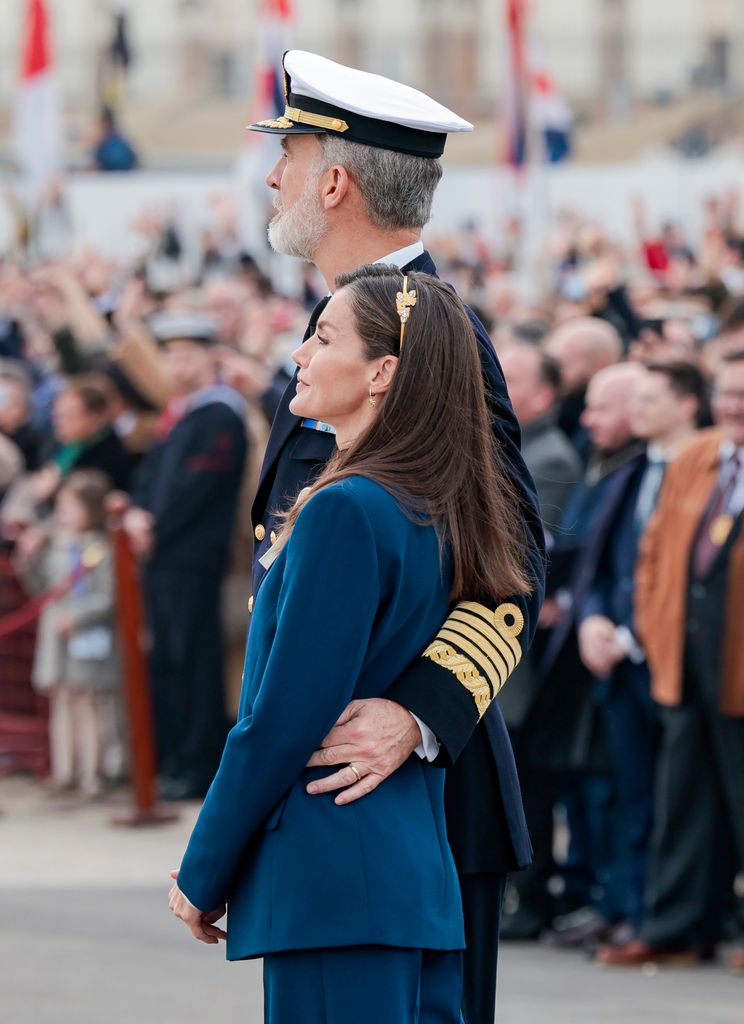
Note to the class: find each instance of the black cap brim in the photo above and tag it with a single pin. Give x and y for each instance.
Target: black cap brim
(291, 129)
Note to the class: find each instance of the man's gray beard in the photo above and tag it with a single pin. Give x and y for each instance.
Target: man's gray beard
(299, 230)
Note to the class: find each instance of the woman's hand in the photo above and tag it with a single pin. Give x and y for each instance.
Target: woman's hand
(203, 926)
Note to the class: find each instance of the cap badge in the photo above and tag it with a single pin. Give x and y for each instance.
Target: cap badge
(276, 122)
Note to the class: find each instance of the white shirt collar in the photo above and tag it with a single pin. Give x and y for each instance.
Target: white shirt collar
(402, 257)
(656, 452)
(727, 450)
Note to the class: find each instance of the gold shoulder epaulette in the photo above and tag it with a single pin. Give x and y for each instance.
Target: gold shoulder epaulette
(480, 647)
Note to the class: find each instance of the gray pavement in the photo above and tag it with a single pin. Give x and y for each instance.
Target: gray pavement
(86, 937)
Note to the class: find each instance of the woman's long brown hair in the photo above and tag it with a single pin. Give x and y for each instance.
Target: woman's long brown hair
(431, 444)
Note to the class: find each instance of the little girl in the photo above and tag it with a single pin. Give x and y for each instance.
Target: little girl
(76, 660)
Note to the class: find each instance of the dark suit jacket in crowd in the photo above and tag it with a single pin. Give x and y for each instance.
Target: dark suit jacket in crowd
(553, 463)
(484, 807)
(111, 457)
(190, 482)
(562, 728)
(556, 469)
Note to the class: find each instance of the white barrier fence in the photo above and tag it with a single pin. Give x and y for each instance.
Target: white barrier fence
(103, 208)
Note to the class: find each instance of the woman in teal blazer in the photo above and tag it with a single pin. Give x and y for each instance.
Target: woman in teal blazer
(356, 909)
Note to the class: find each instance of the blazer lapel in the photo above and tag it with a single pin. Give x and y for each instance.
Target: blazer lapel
(423, 264)
(285, 421)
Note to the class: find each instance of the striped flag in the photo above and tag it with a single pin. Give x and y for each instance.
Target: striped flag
(260, 151)
(37, 113)
(517, 83)
(553, 118)
(276, 17)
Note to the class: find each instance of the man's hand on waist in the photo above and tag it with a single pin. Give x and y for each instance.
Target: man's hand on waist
(372, 739)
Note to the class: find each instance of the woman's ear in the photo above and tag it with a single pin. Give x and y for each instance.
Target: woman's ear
(384, 374)
(335, 187)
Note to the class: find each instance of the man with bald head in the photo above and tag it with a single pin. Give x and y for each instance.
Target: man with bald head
(534, 381)
(581, 347)
(564, 717)
(661, 403)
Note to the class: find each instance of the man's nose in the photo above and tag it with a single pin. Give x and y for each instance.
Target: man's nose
(274, 177)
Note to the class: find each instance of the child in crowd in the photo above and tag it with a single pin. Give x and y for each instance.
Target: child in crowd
(76, 660)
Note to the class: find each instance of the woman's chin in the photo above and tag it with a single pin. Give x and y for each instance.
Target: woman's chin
(299, 407)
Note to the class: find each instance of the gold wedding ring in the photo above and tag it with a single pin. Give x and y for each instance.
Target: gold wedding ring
(356, 772)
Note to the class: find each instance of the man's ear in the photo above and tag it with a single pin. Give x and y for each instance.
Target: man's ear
(336, 183)
(384, 374)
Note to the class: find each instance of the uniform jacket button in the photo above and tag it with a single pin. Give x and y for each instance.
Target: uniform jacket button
(250, 605)
(260, 532)
(272, 537)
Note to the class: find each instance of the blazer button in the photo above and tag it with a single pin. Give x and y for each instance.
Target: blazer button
(260, 532)
(250, 605)
(272, 537)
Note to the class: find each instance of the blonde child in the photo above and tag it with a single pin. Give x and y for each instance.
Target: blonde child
(76, 660)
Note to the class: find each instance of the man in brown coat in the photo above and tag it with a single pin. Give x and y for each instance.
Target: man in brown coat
(689, 601)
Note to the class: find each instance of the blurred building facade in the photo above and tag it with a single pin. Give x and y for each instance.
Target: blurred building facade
(193, 60)
(594, 48)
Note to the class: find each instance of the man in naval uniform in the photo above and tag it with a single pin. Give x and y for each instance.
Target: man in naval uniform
(354, 185)
(181, 523)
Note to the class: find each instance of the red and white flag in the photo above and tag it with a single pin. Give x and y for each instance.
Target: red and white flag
(276, 18)
(260, 150)
(37, 114)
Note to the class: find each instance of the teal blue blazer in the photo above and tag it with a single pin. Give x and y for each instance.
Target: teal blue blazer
(353, 598)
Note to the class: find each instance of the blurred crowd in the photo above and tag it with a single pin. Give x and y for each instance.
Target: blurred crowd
(627, 376)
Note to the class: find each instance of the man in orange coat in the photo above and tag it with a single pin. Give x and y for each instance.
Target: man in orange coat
(689, 601)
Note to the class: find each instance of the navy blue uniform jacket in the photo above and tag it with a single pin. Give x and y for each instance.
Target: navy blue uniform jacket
(190, 482)
(484, 805)
(356, 595)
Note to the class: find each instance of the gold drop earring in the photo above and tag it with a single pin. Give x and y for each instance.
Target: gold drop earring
(372, 397)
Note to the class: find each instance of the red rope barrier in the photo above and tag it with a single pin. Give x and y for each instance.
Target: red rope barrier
(22, 617)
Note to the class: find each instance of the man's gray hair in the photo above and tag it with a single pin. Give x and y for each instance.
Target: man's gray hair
(397, 189)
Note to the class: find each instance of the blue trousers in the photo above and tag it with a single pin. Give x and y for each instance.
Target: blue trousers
(631, 723)
(363, 985)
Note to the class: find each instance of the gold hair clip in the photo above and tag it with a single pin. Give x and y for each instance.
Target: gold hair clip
(404, 300)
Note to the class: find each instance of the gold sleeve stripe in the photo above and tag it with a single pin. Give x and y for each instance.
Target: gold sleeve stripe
(490, 639)
(486, 650)
(498, 616)
(475, 651)
(464, 671)
(497, 620)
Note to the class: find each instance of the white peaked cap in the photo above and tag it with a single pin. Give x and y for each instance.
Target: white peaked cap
(326, 97)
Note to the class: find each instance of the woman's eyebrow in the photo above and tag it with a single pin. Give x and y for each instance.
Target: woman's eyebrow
(325, 325)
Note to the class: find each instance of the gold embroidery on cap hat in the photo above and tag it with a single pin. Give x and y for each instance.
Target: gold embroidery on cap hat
(332, 124)
(276, 122)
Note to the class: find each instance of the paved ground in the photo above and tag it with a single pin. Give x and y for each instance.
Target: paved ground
(85, 937)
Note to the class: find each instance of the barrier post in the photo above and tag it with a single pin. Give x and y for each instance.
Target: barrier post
(136, 676)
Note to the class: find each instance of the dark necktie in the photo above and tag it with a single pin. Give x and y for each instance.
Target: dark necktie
(716, 523)
(648, 493)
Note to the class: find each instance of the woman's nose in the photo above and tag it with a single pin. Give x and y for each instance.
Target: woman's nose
(300, 355)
